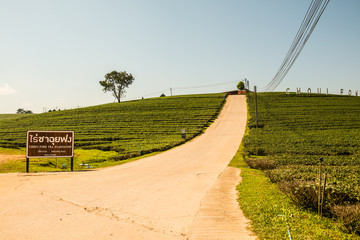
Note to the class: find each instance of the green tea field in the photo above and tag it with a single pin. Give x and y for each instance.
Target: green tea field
(128, 129)
(297, 132)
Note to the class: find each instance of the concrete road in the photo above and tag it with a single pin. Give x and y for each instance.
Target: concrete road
(158, 197)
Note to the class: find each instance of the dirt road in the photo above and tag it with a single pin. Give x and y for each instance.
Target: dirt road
(159, 197)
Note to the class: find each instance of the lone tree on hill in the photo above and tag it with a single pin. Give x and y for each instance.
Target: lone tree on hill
(22, 111)
(116, 82)
(241, 85)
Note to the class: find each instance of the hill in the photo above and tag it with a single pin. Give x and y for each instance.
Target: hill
(9, 116)
(127, 128)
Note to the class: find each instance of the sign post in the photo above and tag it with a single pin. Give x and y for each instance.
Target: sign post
(72, 163)
(183, 133)
(27, 164)
(256, 110)
(49, 144)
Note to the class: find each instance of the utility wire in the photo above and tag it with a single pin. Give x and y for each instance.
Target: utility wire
(205, 86)
(183, 88)
(313, 14)
(294, 46)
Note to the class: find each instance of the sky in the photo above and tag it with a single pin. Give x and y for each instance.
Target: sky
(54, 53)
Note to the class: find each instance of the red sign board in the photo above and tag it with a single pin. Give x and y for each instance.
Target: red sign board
(49, 144)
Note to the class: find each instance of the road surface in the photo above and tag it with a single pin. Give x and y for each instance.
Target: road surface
(182, 193)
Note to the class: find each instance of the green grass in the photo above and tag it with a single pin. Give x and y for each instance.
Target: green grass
(94, 158)
(12, 151)
(112, 133)
(263, 203)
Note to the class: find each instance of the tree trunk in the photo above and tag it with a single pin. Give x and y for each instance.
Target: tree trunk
(116, 95)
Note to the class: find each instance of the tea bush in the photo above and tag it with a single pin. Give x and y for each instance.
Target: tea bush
(296, 132)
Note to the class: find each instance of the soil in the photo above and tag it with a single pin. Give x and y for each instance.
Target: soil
(8, 157)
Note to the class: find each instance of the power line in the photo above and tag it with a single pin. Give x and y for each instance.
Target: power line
(184, 88)
(205, 86)
(313, 14)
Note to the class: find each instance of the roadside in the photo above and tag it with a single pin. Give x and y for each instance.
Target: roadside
(273, 215)
(219, 215)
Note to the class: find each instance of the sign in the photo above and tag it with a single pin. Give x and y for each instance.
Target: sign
(183, 133)
(41, 144)
(319, 91)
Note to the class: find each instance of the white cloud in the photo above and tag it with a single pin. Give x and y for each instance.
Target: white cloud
(6, 89)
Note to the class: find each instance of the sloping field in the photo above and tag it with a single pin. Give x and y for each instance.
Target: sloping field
(9, 116)
(148, 122)
(295, 133)
(127, 128)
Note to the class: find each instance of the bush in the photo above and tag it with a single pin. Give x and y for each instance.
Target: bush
(303, 193)
(348, 216)
(261, 163)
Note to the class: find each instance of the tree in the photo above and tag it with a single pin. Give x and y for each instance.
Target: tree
(22, 111)
(241, 85)
(116, 82)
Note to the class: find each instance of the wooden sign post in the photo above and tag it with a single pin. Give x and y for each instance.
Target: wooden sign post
(49, 144)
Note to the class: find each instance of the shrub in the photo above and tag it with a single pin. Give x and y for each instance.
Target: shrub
(348, 216)
(264, 163)
(303, 193)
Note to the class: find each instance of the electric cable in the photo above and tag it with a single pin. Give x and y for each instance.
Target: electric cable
(312, 17)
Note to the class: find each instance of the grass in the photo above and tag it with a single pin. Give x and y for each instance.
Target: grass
(11, 151)
(268, 208)
(94, 158)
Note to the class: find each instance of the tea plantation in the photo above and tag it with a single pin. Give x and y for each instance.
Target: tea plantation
(128, 128)
(295, 133)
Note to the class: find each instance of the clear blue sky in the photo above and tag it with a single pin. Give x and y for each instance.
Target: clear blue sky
(54, 53)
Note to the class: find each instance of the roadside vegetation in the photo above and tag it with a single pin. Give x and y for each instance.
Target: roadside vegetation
(110, 134)
(295, 133)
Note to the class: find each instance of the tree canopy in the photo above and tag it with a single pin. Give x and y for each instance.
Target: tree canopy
(22, 111)
(116, 82)
(241, 85)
